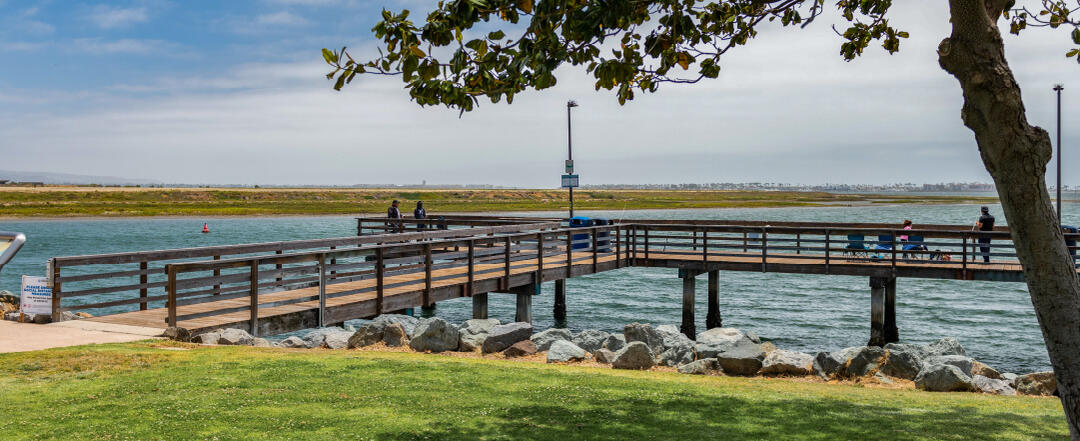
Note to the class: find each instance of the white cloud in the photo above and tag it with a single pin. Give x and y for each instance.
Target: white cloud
(121, 46)
(282, 18)
(106, 17)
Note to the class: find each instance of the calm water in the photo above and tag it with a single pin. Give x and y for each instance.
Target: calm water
(995, 321)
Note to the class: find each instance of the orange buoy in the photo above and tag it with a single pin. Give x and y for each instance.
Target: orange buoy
(205, 228)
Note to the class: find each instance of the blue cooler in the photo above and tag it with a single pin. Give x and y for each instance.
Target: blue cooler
(580, 222)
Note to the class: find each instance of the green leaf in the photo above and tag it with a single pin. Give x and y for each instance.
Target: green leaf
(1076, 35)
(497, 35)
(330, 57)
(340, 82)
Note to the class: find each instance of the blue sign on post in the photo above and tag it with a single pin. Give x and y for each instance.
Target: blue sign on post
(569, 181)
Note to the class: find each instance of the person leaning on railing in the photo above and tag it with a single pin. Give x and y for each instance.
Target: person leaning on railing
(394, 213)
(985, 223)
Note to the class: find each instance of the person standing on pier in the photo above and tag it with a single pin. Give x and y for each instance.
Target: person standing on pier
(394, 213)
(985, 223)
(419, 213)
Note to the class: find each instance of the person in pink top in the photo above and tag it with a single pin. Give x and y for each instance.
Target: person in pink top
(907, 226)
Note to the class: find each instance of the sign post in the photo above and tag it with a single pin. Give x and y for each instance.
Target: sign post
(570, 181)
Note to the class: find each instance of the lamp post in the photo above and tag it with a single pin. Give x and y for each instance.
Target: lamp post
(570, 152)
(1058, 88)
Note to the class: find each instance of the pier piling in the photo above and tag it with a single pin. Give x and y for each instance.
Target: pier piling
(712, 317)
(688, 287)
(525, 293)
(877, 311)
(891, 333)
(480, 306)
(560, 300)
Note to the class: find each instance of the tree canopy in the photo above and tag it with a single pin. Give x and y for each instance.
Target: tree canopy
(628, 46)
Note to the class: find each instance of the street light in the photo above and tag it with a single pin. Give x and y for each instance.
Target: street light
(1058, 88)
(570, 153)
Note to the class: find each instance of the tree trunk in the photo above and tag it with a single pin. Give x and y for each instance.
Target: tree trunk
(1016, 154)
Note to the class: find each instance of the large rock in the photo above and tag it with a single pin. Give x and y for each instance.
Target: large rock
(207, 338)
(782, 362)
(943, 378)
(919, 350)
(945, 346)
(636, 355)
(866, 361)
(1038, 383)
(675, 349)
(615, 342)
(434, 334)
(563, 351)
(992, 386)
(521, 349)
(590, 339)
(604, 355)
(717, 340)
(502, 336)
(316, 337)
(644, 333)
(407, 322)
(261, 343)
(366, 335)
(964, 363)
(544, 339)
(473, 332)
(337, 339)
(177, 333)
(744, 358)
(292, 342)
(978, 368)
(705, 366)
(394, 335)
(827, 364)
(1011, 378)
(902, 363)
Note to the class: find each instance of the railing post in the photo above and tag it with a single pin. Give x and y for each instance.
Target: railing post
(646, 241)
(54, 273)
(595, 247)
(893, 249)
(254, 295)
(427, 275)
(472, 245)
(170, 289)
(705, 249)
(217, 272)
(333, 261)
(539, 258)
(143, 279)
(827, 246)
(618, 247)
(378, 280)
(322, 290)
(764, 249)
(569, 252)
(798, 243)
(963, 265)
(278, 267)
(506, 264)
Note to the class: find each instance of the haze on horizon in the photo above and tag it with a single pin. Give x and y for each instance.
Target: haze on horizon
(202, 92)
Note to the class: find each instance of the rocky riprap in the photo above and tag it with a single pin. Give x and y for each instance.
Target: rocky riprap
(939, 366)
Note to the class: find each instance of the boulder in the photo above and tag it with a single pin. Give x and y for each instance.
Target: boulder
(563, 351)
(433, 334)
(235, 337)
(1038, 383)
(604, 355)
(827, 364)
(366, 335)
(177, 333)
(866, 361)
(744, 358)
(644, 333)
(544, 339)
(614, 342)
(473, 332)
(394, 335)
(521, 349)
(207, 338)
(978, 368)
(992, 386)
(704, 366)
(675, 349)
(261, 343)
(945, 346)
(782, 362)
(901, 363)
(753, 337)
(338, 338)
(590, 339)
(964, 363)
(636, 355)
(717, 340)
(292, 342)
(919, 350)
(407, 322)
(943, 378)
(503, 336)
(1011, 378)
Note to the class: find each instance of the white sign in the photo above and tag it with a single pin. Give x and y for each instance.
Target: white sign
(569, 166)
(569, 181)
(36, 296)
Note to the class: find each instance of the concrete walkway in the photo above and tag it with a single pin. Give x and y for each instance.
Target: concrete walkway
(19, 337)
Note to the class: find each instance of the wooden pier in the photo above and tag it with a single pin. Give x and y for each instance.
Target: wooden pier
(278, 287)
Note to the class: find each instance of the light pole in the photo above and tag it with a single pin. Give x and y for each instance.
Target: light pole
(1058, 88)
(570, 152)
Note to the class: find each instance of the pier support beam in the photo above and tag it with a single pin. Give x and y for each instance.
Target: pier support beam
(712, 317)
(892, 334)
(560, 300)
(525, 293)
(480, 306)
(688, 288)
(877, 311)
(427, 311)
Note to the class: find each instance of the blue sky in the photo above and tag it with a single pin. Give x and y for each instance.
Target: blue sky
(232, 92)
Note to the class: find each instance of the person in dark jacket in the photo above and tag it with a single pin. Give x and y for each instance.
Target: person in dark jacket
(985, 223)
(394, 213)
(419, 213)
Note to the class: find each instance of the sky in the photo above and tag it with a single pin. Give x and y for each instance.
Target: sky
(209, 92)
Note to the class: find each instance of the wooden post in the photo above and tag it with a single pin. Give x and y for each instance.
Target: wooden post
(764, 250)
(618, 248)
(170, 289)
(469, 288)
(217, 273)
(688, 286)
(278, 267)
(560, 300)
(480, 306)
(646, 242)
(506, 265)
(427, 275)
(595, 250)
(877, 311)
(705, 247)
(333, 261)
(254, 297)
(322, 290)
(143, 278)
(712, 317)
(798, 243)
(539, 258)
(827, 246)
(963, 265)
(378, 280)
(891, 333)
(57, 293)
(525, 293)
(569, 253)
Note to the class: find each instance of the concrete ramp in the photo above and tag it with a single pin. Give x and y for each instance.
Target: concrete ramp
(20, 337)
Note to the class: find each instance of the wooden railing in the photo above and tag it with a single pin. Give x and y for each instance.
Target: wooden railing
(257, 278)
(139, 278)
(383, 225)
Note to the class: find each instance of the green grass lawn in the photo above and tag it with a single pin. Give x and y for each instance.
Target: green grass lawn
(145, 391)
